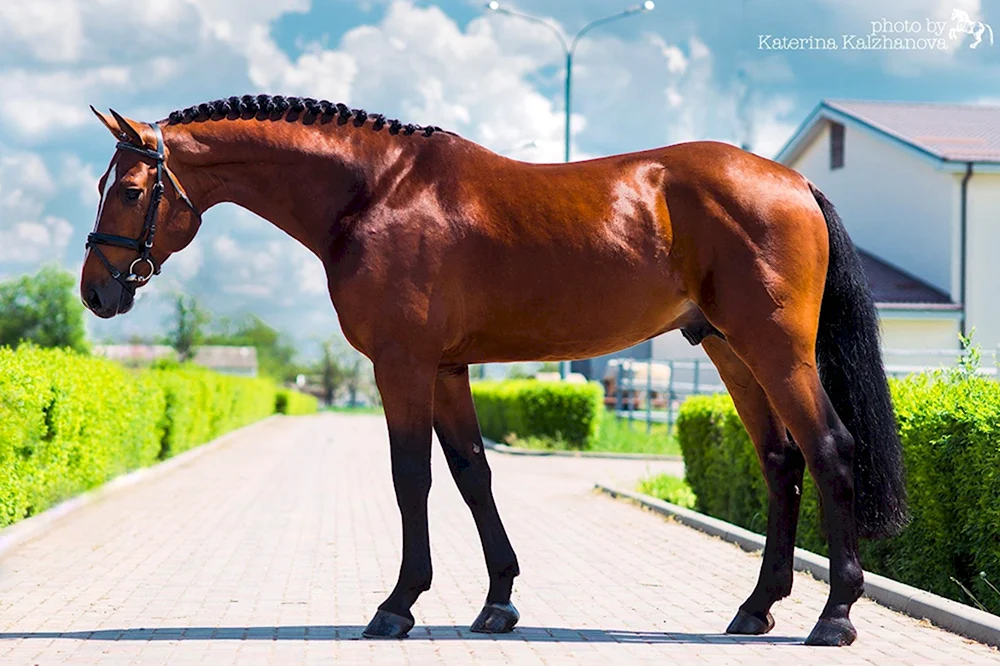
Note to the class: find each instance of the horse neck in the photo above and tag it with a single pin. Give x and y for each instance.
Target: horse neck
(303, 179)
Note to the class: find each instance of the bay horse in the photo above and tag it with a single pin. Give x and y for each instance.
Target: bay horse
(440, 253)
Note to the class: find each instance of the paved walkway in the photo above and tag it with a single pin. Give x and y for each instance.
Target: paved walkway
(277, 547)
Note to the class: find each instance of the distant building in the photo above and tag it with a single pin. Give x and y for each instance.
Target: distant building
(135, 356)
(918, 188)
(240, 361)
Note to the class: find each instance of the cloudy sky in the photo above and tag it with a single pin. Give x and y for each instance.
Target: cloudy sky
(691, 69)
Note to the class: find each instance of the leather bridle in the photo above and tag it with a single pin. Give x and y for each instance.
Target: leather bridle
(143, 244)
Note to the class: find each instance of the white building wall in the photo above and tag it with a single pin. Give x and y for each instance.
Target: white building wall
(904, 337)
(894, 204)
(672, 346)
(982, 289)
(915, 333)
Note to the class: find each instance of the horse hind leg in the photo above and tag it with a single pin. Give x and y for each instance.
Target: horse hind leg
(785, 365)
(458, 431)
(783, 465)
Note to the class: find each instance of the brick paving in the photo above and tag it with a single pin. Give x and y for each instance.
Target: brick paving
(277, 547)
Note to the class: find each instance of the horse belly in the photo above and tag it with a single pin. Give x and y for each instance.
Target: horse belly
(569, 309)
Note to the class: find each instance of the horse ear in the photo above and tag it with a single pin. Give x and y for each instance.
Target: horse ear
(129, 129)
(110, 123)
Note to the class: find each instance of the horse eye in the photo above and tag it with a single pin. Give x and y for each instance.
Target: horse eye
(132, 194)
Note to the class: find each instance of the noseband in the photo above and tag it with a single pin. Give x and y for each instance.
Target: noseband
(144, 243)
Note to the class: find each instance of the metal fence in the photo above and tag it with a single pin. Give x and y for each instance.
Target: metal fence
(637, 391)
(650, 391)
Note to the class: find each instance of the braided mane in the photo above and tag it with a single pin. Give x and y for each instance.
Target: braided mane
(292, 109)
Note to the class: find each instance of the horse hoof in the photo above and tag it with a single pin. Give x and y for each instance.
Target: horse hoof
(748, 624)
(496, 619)
(388, 625)
(834, 633)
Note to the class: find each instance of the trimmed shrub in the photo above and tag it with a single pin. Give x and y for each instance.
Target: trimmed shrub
(531, 408)
(950, 429)
(68, 422)
(669, 489)
(201, 405)
(294, 403)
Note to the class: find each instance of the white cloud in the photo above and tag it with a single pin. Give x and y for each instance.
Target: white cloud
(58, 56)
(29, 107)
(772, 126)
(25, 186)
(49, 30)
(231, 20)
(186, 264)
(316, 73)
(676, 61)
(250, 267)
(34, 242)
(311, 276)
(418, 64)
(77, 174)
(27, 234)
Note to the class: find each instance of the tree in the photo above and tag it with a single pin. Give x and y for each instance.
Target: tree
(275, 356)
(330, 370)
(342, 366)
(187, 327)
(42, 309)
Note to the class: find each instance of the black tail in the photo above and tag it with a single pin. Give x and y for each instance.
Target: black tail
(849, 356)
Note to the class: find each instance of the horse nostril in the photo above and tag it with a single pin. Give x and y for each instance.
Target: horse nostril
(94, 300)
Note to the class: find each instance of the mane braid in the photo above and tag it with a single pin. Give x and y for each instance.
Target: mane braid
(293, 109)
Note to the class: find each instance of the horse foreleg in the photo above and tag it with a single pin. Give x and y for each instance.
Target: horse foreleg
(458, 430)
(406, 385)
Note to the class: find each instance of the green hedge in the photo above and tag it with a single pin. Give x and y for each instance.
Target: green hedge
(669, 488)
(294, 403)
(69, 422)
(950, 429)
(531, 408)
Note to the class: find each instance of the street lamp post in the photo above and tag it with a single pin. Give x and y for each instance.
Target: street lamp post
(569, 48)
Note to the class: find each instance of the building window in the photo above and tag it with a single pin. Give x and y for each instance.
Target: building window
(836, 146)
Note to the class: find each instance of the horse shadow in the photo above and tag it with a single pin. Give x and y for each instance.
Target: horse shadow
(351, 632)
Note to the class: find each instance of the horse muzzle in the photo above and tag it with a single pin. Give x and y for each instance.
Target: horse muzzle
(108, 299)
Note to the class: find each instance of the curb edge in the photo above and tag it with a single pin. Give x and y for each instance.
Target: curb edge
(916, 603)
(607, 455)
